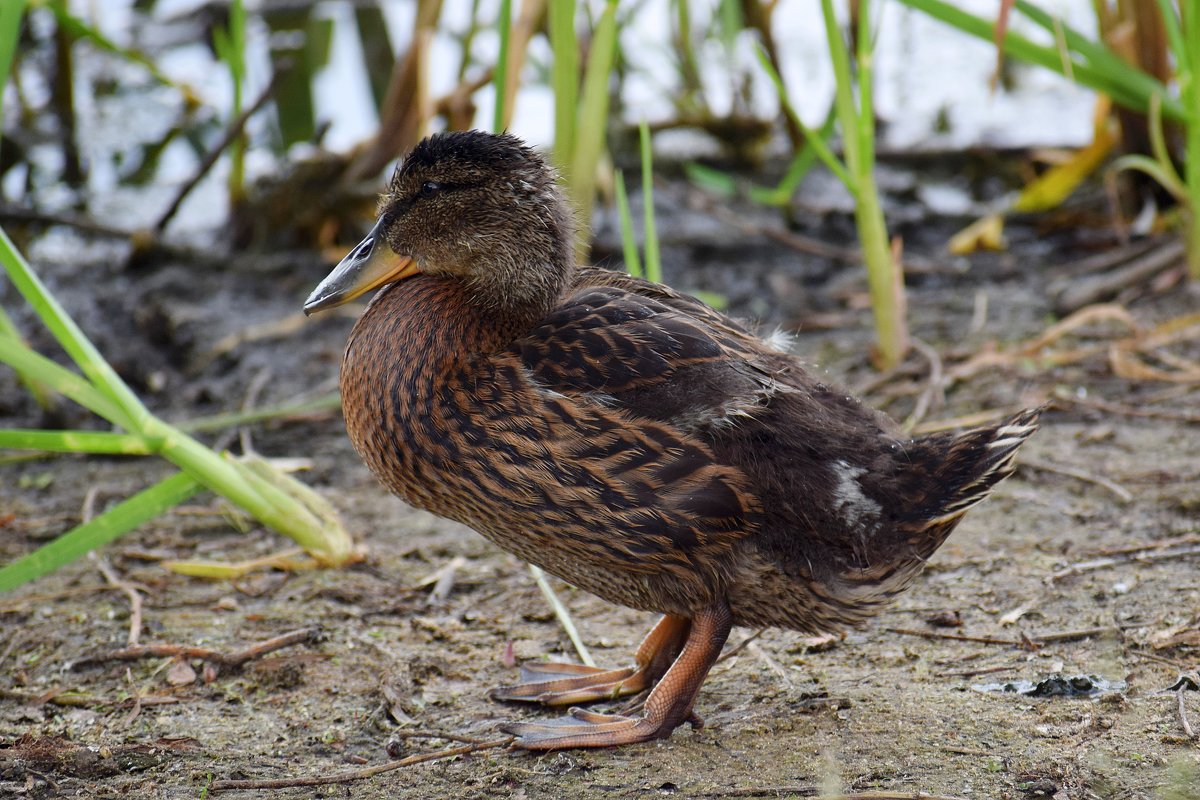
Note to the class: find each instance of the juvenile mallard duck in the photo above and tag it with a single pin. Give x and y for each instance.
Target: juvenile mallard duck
(623, 436)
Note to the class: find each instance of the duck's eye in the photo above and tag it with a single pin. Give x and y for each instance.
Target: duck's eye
(430, 188)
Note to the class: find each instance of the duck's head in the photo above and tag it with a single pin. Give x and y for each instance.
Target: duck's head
(480, 208)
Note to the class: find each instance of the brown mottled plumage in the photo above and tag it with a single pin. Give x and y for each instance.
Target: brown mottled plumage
(625, 437)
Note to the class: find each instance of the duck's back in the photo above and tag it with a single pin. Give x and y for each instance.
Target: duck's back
(851, 510)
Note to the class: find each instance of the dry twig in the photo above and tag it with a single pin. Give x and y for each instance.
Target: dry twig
(1138, 557)
(114, 580)
(361, 774)
(1121, 492)
(1028, 642)
(234, 659)
(813, 791)
(958, 637)
(740, 646)
(971, 673)
(1129, 411)
(135, 597)
(933, 395)
(232, 132)
(1183, 717)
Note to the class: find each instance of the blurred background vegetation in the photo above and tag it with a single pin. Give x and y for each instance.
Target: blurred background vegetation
(217, 131)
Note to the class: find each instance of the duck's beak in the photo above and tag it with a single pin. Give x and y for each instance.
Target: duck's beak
(371, 264)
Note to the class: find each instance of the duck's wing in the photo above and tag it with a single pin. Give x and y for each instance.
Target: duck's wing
(653, 357)
(588, 420)
(597, 277)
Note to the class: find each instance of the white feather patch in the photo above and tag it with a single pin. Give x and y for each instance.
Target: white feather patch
(859, 511)
(780, 340)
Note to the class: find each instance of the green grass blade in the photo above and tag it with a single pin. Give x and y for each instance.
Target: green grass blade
(1147, 165)
(101, 442)
(864, 62)
(231, 49)
(1158, 146)
(711, 180)
(120, 519)
(818, 143)
(731, 23)
(78, 29)
(565, 80)
(593, 117)
(11, 14)
(1189, 92)
(633, 262)
(801, 163)
(653, 261)
(33, 366)
(1098, 56)
(1179, 49)
(41, 394)
(843, 98)
(78, 346)
(220, 422)
(500, 74)
(1115, 84)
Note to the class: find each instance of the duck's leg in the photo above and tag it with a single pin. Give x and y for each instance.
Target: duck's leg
(668, 706)
(557, 684)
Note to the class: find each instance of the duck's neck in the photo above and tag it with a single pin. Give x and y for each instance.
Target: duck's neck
(437, 319)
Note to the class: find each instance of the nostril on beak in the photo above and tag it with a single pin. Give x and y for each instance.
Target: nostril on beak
(363, 249)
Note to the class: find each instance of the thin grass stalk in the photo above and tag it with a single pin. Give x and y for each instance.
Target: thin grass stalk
(71, 338)
(143, 506)
(883, 275)
(633, 262)
(1118, 84)
(1189, 92)
(800, 165)
(11, 14)
(653, 261)
(1097, 55)
(818, 143)
(864, 62)
(110, 397)
(237, 73)
(500, 74)
(858, 131)
(593, 122)
(33, 366)
(219, 422)
(843, 98)
(8, 330)
(1179, 48)
(98, 442)
(563, 615)
(565, 81)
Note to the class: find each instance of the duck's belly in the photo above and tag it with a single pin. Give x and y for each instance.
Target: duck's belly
(564, 542)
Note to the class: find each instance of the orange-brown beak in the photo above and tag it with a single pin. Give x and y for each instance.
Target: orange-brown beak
(371, 264)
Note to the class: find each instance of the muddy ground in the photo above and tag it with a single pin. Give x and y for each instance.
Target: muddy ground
(896, 707)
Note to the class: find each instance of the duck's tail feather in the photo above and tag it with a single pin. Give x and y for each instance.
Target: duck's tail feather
(964, 472)
(948, 474)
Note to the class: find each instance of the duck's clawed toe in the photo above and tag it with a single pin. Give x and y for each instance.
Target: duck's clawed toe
(555, 683)
(559, 684)
(582, 728)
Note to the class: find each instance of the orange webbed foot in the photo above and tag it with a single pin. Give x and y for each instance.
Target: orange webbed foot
(559, 684)
(668, 706)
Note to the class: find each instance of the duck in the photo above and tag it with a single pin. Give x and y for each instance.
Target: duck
(625, 437)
